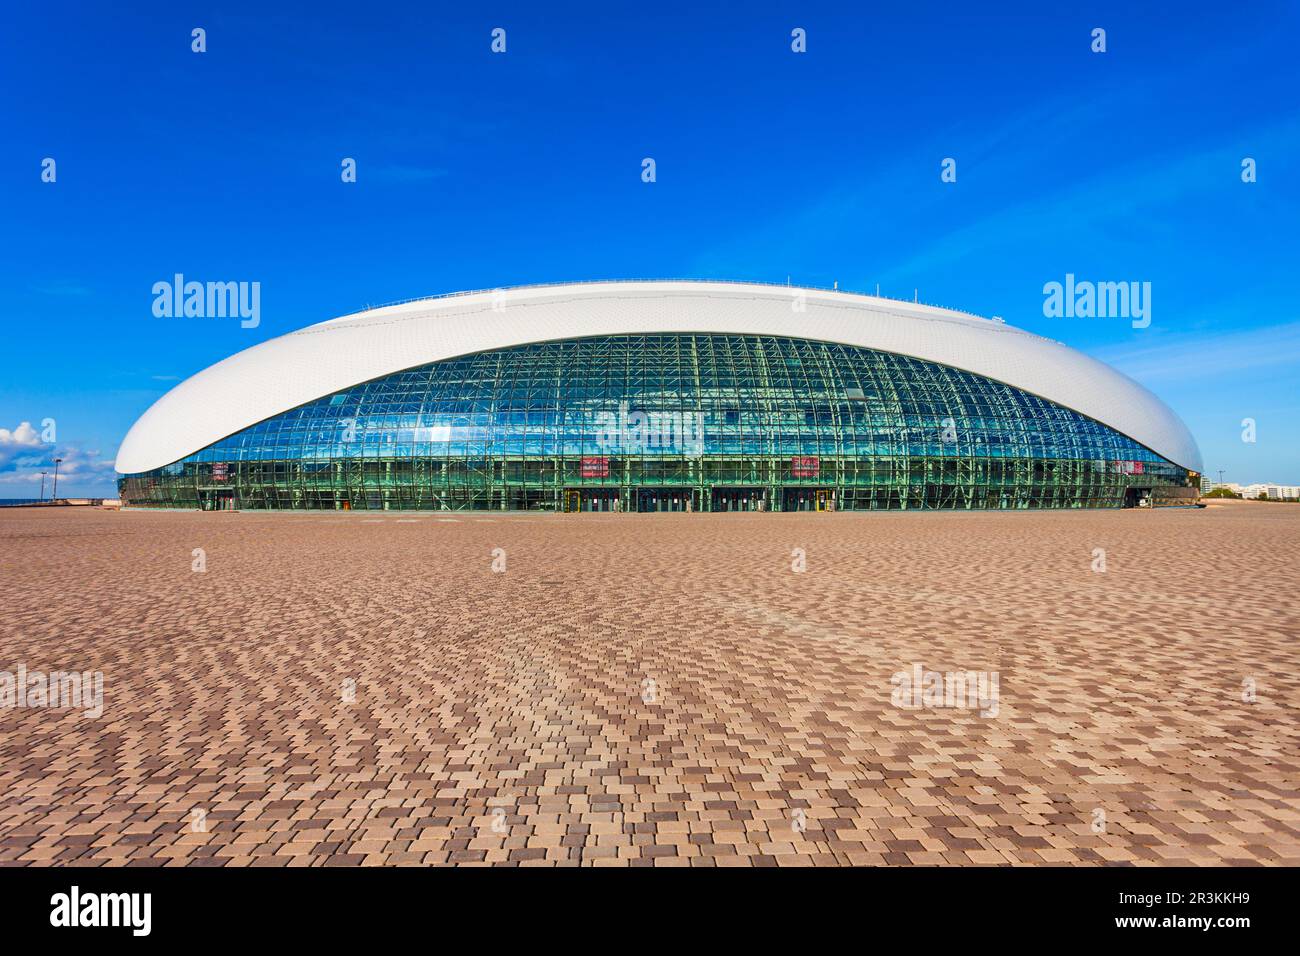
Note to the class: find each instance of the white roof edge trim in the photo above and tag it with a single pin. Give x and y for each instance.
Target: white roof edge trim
(285, 372)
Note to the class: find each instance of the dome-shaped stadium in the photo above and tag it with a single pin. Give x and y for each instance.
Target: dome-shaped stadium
(658, 396)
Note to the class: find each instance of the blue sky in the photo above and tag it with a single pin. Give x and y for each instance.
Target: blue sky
(478, 170)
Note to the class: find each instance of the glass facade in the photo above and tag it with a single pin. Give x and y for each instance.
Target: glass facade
(672, 422)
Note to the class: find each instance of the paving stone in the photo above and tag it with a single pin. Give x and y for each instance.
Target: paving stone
(654, 689)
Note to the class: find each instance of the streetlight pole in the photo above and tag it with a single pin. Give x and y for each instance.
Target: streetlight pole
(43, 474)
(54, 495)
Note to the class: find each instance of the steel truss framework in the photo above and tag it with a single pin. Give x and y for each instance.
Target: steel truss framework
(529, 426)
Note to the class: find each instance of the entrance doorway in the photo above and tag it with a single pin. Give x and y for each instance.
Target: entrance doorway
(217, 500)
(664, 499)
(808, 499)
(736, 499)
(599, 499)
(1137, 497)
(590, 499)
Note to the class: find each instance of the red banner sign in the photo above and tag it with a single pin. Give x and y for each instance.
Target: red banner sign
(218, 471)
(595, 467)
(805, 466)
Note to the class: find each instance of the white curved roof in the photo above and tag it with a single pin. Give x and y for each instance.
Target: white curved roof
(288, 371)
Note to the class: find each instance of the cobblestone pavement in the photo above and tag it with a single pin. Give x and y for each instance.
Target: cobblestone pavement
(339, 689)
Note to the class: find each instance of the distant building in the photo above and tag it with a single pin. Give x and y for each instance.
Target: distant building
(1226, 486)
(1273, 491)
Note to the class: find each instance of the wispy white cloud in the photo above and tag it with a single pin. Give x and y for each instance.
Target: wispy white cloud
(1176, 357)
(1127, 197)
(1122, 203)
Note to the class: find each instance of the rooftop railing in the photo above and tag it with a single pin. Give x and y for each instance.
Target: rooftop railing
(915, 300)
